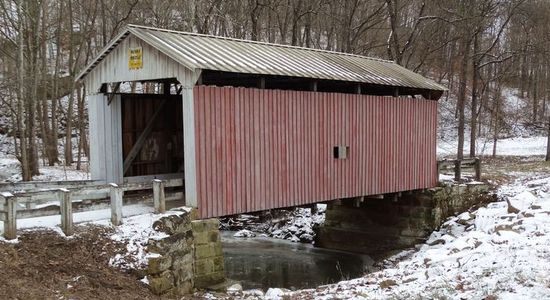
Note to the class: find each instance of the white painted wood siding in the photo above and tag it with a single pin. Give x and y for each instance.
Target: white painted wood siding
(105, 138)
(156, 65)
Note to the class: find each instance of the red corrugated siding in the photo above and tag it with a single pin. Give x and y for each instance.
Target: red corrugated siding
(261, 149)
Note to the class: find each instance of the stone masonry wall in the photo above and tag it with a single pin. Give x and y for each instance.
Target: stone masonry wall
(188, 257)
(208, 269)
(381, 225)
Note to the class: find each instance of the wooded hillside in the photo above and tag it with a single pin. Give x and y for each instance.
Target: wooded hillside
(477, 48)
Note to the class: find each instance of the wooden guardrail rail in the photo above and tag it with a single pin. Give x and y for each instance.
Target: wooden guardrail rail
(67, 194)
(458, 164)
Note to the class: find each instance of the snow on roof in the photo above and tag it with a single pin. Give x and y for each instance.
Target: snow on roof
(199, 51)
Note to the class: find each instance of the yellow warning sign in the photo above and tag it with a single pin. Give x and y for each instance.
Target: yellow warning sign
(135, 58)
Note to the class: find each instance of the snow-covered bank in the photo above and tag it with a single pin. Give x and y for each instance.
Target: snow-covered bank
(518, 146)
(296, 225)
(501, 250)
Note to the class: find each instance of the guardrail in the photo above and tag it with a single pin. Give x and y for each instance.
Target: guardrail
(68, 195)
(458, 164)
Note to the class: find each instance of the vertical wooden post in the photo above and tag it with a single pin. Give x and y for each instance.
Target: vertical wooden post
(190, 167)
(10, 220)
(116, 204)
(313, 86)
(66, 206)
(396, 92)
(477, 167)
(159, 199)
(458, 170)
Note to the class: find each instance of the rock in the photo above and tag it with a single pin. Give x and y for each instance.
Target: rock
(387, 283)
(465, 218)
(409, 279)
(160, 284)
(235, 288)
(173, 224)
(306, 238)
(274, 294)
(505, 227)
(253, 293)
(159, 264)
(293, 229)
(437, 242)
(244, 234)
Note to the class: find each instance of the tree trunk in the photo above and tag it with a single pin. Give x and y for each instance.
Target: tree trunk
(25, 170)
(475, 79)
(69, 124)
(496, 118)
(548, 142)
(462, 95)
(393, 41)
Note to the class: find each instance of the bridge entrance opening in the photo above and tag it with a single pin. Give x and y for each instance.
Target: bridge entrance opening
(152, 134)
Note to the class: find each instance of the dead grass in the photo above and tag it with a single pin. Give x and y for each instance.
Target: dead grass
(44, 265)
(504, 169)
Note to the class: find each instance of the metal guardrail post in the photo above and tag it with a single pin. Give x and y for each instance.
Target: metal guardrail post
(159, 199)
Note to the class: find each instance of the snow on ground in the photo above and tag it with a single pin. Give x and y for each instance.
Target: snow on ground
(101, 217)
(10, 169)
(501, 250)
(519, 146)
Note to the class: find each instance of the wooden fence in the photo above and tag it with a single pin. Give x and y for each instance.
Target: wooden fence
(68, 193)
(458, 164)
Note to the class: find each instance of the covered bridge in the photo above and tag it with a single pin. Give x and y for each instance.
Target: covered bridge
(253, 126)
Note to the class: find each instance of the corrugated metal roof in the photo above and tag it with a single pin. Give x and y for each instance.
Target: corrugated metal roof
(198, 51)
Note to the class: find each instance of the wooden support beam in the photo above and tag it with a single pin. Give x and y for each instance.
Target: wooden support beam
(159, 200)
(116, 204)
(261, 83)
(113, 91)
(313, 208)
(10, 220)
(313, 86)
(358, 89)
(357, 201)
(142, 138)
(166, 87)
(66, 206)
